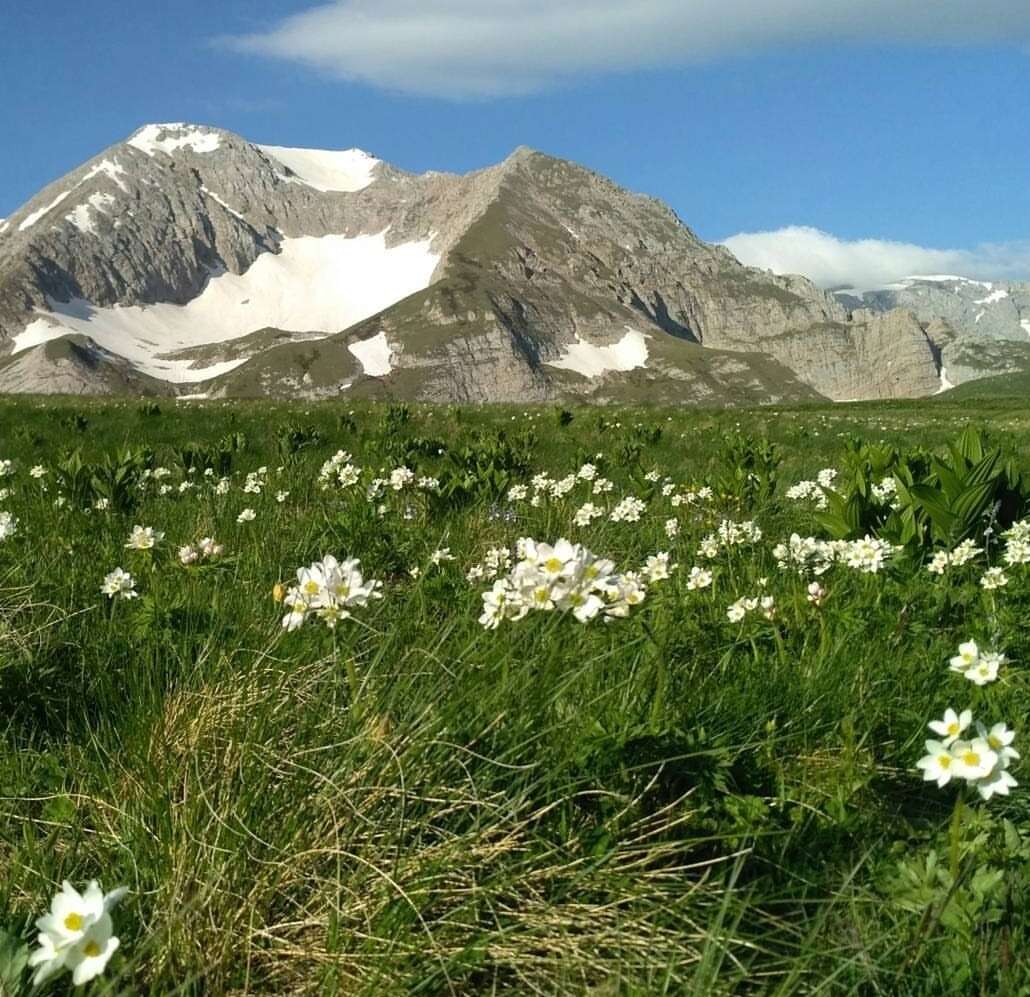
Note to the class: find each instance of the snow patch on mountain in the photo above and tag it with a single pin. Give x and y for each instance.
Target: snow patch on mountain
(348, 170)
(314, 284)
(993, 298)
(36, 215)
(81, 215)
(591, 361)
(374, 355)
(169, 138)
(214, 197)
(110, 168)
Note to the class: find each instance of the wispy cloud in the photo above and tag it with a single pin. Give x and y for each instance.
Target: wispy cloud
(488, 48)
(865, 264)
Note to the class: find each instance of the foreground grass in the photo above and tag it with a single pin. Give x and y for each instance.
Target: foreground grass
(666, 804)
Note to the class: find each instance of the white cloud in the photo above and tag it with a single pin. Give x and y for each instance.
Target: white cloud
(485, 48)
(865, 264)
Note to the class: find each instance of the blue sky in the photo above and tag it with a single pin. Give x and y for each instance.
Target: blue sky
(860, 128)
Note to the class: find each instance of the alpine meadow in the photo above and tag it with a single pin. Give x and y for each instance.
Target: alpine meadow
(386, 699)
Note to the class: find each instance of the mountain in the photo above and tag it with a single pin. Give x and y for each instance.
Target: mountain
(188, 260)
(988, 322)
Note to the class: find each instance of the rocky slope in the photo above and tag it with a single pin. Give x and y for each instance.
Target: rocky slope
(190, 261)
(988, 322)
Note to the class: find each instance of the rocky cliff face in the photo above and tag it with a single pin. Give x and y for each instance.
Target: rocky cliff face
(189, 260)
(980, 327)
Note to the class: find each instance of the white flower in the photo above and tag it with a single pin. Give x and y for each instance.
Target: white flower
(438, 557)
(587, 472)
(586, 514)
(517, 493)
(400, 477)
(994, 578)
(76, 934)
(737, 611)
(102, 504)
(986, 669)
(328, 589)
(699, 578)
(281, 496)
(39, 471)
(672, 528)
(952, 726)
(816, 594)
(209, 547)
(247, 516)
(657, 567)
(968, 655)
(6, 468)
(973, 759)
(143, 538)
(8, 525)
(938, 764)
(188, 554)
(628, 510)
(119, 584)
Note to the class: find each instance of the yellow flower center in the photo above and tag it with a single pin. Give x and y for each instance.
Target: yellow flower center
(994, 742)
(91, 949)
(944, 761)
(553, 565)
(74, 921)
(971, 758)
(953, 729)
(311, 587)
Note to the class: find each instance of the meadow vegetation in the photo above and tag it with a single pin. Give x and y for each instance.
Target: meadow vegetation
(691, 761)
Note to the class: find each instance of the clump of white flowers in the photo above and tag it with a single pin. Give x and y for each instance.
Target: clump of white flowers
(980, 667)
(207, 548)
(565, 577)
(119, 584)
(6, 468)
(144, 538)
(496, 561)
(8, 525)
(729, 534)
(339, 470)
(983, 761)
(993, 578)
(811, 556)
(764, 604)
(77, 934)
(658, 567)
(961, 555)
(699, 578)
(246, 516)
(629, 510)
(328, 590)
(1017, 543)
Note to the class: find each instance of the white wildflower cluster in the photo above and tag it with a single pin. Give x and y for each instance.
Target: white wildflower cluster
(993, 578)
(982, 761)
(8, 525)
(6, 468)
(629, 510)
(886, 491)
(328, 590)
(729, 534)
(980, 667)
(764, 604)
(340, 471)
(807, 490)
(119, 584)
(496, 562)
(247, 515)
(144, 538)
(1017, 543)
(255, 482)
(207, 549)
(587, 513)
(658, 567)
(961, 555)
(76, 935)
(400, 478)
(563, 577)
(699, 578)
(811, 556)
(692, 497)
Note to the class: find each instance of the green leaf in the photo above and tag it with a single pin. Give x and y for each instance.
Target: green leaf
(14, 957)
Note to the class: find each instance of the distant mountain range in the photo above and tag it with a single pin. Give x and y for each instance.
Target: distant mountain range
(188, 261)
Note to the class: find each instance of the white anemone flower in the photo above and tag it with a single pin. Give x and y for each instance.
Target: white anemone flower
(938, 764)
(953, 725)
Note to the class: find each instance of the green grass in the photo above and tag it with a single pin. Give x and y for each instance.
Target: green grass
(664, 804)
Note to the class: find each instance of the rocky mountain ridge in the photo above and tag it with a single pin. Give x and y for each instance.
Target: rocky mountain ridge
(188, 260)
